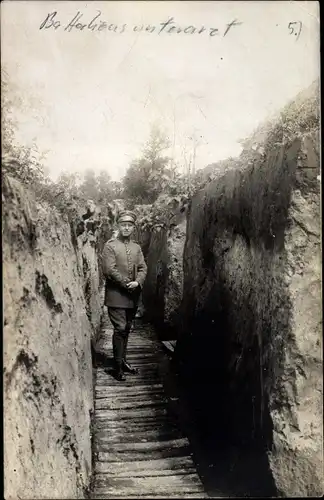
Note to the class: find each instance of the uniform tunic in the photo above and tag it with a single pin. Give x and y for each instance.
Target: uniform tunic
(123, 262)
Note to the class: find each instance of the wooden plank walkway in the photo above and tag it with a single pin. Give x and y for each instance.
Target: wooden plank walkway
(139, 450)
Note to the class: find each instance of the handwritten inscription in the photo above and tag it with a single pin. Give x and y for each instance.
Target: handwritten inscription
(97, 24)
(295, 28)
(169, 26)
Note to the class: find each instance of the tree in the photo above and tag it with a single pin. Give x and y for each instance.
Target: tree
(68, 184)
(117, 189)
(105, 189)
(89, 187)
(147, 176)
(156, 144)
(25, 163)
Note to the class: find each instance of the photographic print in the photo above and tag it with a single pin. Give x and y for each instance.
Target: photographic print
(161, 222)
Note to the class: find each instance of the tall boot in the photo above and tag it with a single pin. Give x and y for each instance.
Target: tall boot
(127, 367)
(118, 348)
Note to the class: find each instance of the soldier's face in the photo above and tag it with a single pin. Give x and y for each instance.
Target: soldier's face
(126, 228)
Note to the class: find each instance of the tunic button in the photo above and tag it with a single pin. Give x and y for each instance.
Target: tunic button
(128, 256)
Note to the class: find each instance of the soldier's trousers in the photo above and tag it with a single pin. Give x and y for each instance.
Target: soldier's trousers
(121, 320)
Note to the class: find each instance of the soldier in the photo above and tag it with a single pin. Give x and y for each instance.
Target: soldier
(125, 271)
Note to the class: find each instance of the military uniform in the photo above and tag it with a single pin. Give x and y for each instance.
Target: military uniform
(123, 262)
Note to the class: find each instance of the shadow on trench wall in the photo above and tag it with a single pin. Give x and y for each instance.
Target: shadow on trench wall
(162, 292)
(154, 288)
(230, 438)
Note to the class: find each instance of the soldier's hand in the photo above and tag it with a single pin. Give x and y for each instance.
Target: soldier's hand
(132, 285)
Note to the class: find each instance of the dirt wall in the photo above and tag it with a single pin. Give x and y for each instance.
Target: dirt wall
(162, 293)
(250, 345)
(51, 313)
(174, 275)
(163, 244)
(154, 286)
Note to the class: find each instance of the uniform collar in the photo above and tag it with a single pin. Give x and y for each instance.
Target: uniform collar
(123, 240)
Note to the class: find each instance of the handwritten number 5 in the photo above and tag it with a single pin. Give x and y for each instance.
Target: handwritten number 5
(295, 30)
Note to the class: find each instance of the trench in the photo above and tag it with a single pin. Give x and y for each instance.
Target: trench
(225, 418)
(240, 328)
(201, 403)
(251, 290)
(223, 411)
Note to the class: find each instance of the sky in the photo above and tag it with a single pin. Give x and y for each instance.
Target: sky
(92, 88)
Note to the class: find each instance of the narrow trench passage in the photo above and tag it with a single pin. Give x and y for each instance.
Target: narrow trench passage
(152, 437)
(139, 448)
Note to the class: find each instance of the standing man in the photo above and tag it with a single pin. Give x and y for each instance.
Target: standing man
(125, 271)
